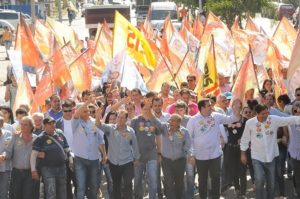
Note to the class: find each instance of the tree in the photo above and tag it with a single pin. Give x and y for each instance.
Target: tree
(229, 9)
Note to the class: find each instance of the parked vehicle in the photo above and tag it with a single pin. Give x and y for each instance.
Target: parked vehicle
(13, 17)
(160, 10)
(278, 10)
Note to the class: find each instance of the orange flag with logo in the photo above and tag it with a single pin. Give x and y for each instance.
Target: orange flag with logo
(44, 39)
(81, 72)
(251, 26)
(198, 28)
(24, 41)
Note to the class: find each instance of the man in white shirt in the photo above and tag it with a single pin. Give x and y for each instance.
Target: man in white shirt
(205, 148)
(261, 131)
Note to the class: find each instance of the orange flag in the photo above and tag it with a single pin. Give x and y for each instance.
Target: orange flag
(24, 92)
(241, 45)
(58, 68)
(294, 67)
(168, 29)
(103, 51)
(198, 28)
(284, 37)
(246, 73)
(251, 26)
(148, 30)
(44, 90)
(81, 72)
(44, 39)
(235, 25)
(24, 41)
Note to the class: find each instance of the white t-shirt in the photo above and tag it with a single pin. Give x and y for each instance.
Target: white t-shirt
(68, 132)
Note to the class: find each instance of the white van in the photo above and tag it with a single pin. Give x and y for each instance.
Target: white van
(13, 17)
(159, 12)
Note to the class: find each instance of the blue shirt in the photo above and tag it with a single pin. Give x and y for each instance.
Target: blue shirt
(122, 144)
(55, 115)
(86, 139)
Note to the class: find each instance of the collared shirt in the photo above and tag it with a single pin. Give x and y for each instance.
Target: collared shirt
(9, 127)
(164, 117)
(185, 119)
(263, 136)
(5, 139)
(146, 132)
(122, 145)
(275, 111)
(19, 152)
(54, 115)
(86, 139)
(176, 145)
(205, 134)
(294, 140)
(54, 156)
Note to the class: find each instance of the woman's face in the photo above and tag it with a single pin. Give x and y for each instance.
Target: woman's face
(6, 115)
(268, 86)
(247, 113)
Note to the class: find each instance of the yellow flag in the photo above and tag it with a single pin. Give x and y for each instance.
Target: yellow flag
(209, 81)
(126, 36)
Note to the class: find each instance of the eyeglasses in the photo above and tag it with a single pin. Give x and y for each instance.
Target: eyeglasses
(67, 111)
(247, 112)
(190, 80)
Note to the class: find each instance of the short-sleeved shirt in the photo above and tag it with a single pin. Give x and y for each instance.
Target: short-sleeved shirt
(54, 156)
(146, 131)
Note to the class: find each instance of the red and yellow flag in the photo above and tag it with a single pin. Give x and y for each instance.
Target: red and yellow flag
(198, 28)
(44, 90)
(128, 37)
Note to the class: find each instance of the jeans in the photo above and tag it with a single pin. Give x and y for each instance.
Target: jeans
(54, 179)
(151, 168)
(4, 184)
(212, 167)
(280, 166)
(118, 173)
(87, 176)
(71, 182)
(109, 180)
(22, 185)
(173, 171)
(296, 168)
(190, 181)
(264, 173)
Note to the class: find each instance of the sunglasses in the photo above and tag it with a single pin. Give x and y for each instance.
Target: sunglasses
(67, 111)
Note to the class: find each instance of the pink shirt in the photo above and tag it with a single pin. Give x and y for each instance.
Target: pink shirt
(193, 108)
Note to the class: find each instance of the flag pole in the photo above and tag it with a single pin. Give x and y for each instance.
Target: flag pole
(173, 78)
(250, 50)
(175, 75)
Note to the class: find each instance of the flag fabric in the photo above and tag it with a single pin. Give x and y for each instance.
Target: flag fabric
(198, 28)
(241, 45)
(64, 34)
(81, 72)
(58, 69)
(294, 67)
(24, 92)
(246, 73)
(235, 25)
(44, 39)
(251, 26)
(209, 81)
(284, 37)
(31, 58)
(126, 36)
(44, 90)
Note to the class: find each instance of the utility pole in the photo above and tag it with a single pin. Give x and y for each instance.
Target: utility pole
(59, 11)
(32, 7)
(200, 6)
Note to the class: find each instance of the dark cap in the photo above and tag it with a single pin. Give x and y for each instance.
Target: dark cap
(48, 120)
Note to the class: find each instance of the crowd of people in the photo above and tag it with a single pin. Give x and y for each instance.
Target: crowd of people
(132, 138)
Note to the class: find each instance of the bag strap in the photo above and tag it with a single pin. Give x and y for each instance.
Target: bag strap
(57, 143)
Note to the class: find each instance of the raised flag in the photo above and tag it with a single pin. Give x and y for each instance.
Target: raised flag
(251, 26)
(44, 39)
(294, 67)
(198, 28)
(128, 37)
(44, 90)
(81, 72)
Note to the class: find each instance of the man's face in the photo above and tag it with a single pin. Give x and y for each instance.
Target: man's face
(55, 103)
(180, 111)
(49, 127)
(85, 114)
(263, 115)
(207, 109)
(269, 101)
(185, 98)
(191, 82)
(135, 96)
(157, 106)
(121, 119)
(165, 89)
(25, 126)
(67, 112)
(222, 102)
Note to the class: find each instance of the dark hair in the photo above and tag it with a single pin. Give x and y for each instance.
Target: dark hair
(53, 96)
(267, 80)
(260, 107)
(157, 99)
(137, 90)
(21, 111)
(9, 110)
(185, 91)
(284, 98)
(67, 104)
(181, 104)
(150, 94)
(263, 93)
(270, 94)
(85, 93)
(202, 103)
(191, 76)
(184, 84)
(108, 116)
(252, 104)
(142, 104)
(297, 89)
(211, 97)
